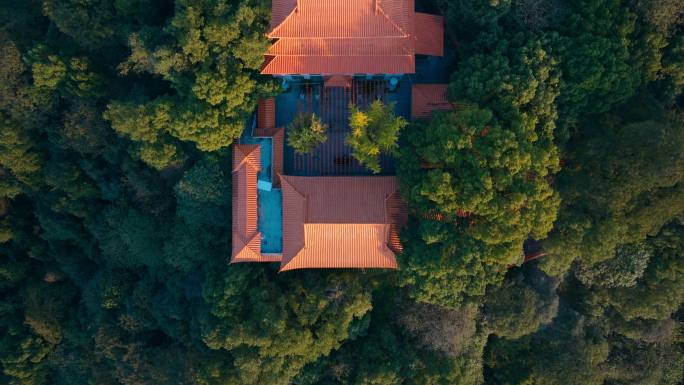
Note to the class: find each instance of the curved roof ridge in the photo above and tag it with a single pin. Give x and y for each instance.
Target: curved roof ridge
(290, 184)
(280, 25)
(245, 153)
(382, 11)
(248, 251)
(280, 10)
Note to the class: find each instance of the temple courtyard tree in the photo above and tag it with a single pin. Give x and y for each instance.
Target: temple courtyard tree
(306, 132)
(374, 132)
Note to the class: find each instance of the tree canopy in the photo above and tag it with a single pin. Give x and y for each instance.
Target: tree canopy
(482, 173)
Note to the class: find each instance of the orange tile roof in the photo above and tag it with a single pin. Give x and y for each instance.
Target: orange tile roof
(346, 37)
(373, 46)
(429, 34)
(397, 212)
(266, 113)
(280, 10)
(246, 238)
(340, 222)
(278, 142)
(343, 245)
(246, 155)
(426, 98)
(280, 65)
(344, 18)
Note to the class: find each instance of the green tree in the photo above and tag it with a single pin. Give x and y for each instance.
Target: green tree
(306, 132)
(657, 294)
(443, 265)
(46, 306)
(50, 73)
(273, 327)
(636, 362)
(569, 352)
(374, 132)
(605, 335)
(622, 270)
(202, 195)
(467, 18)
(72, 76)
(210, 54)
(598, 60)
(89, 23)
(524, 302)
(127, 238)
(663, 15)
(482, 174)
(621, 183)
(19, 160)
(386, 355)
(145, 124)
(445, 331)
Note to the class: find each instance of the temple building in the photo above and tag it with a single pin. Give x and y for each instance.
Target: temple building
(348, 37)
(324, 209)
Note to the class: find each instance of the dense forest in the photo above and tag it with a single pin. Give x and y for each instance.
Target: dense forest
(116, 118)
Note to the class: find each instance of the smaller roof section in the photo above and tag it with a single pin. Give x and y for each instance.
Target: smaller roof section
(341, 18)
(284, 65)
(426, 98)
(280, 10)
(343, 245)
(341, 222)
(266, 114)
(246, 155)
(349, 37)
(246, 238)
(429, 34)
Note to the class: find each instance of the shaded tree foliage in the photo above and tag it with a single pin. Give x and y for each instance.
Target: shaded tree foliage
(525, 301)
(313, 317)
(614, 335)
(622, 183)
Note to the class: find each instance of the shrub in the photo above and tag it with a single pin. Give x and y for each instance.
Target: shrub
(305, 132)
